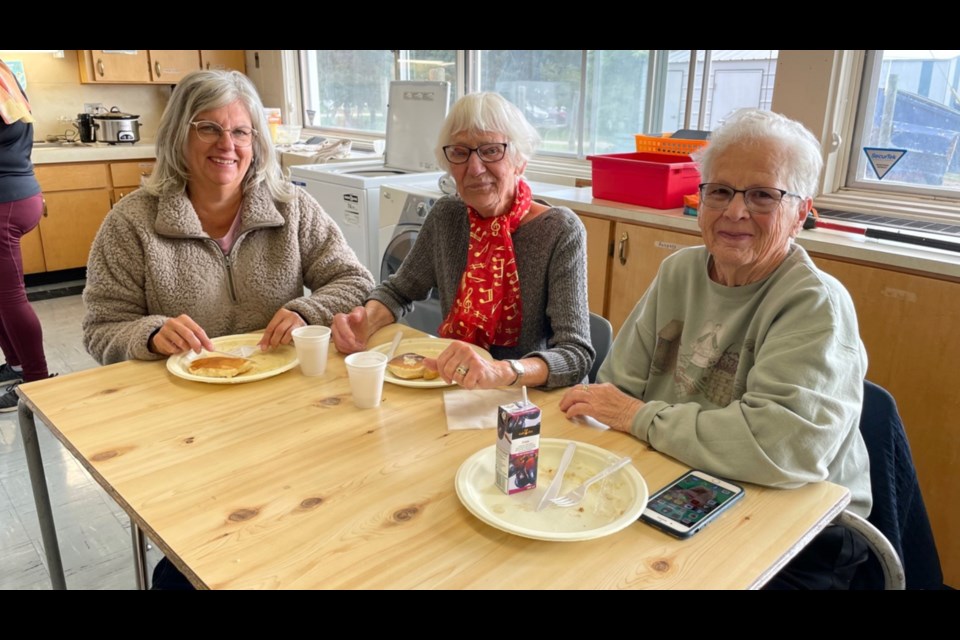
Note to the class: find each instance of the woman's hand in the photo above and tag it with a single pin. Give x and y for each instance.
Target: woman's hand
(178, 335)
(280, 329)
(603, 402)
(351, 330)
(460, 364)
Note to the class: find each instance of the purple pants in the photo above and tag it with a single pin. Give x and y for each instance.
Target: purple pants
(21, 337)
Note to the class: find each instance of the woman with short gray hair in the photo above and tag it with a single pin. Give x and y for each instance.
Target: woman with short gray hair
(216, 242)
(743, 358)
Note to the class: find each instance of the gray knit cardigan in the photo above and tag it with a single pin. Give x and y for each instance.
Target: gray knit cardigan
(552, 264)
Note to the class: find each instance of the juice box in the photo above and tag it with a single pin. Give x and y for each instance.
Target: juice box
(518, 446)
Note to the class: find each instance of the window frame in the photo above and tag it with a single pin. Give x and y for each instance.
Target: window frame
(866, 103)
(839, 120)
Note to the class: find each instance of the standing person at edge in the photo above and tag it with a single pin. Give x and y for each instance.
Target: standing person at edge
(21, 205)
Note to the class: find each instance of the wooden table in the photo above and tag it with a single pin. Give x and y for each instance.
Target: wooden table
(282, 483)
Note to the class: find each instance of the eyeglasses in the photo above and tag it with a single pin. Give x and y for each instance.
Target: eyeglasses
(460, 153)
(757, 200)
(211, 132)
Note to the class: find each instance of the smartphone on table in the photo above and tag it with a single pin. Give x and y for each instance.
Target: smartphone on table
(690, 503)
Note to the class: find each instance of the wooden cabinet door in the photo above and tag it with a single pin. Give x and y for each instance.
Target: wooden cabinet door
(223, 59)
(69, 225)
(598, 262)
(31, 247)
(908, 324)
(168, 66)
(66, 177)
(121, 192)
(129, 174)
(637, 254)
(111, 66)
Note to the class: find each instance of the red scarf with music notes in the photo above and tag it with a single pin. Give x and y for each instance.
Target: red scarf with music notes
(487, 309)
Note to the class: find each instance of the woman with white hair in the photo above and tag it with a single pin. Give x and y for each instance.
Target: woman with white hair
(216, 242)
(511, 273)
(743, 358)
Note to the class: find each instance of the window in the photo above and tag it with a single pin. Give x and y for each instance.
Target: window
(736, 79)
(623, 92)
(348, 89)
(910, 104)
(582, 102)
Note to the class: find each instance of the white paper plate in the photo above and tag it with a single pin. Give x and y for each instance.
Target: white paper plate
(609, 506)
(429, 347)
(265, 365)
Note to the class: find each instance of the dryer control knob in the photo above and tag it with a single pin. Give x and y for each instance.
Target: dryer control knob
(447, 184)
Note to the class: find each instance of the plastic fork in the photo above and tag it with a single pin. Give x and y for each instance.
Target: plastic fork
(574, 498)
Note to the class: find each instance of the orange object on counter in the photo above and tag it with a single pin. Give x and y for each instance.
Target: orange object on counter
(666, 144)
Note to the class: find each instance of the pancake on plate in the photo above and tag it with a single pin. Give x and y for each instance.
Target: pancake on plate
(220, 366)
(409, 366)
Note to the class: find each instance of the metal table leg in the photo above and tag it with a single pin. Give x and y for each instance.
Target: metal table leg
(139, 556)
(28, 430)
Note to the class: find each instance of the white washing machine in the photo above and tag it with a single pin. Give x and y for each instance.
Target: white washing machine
(350, 191)
(409, 205)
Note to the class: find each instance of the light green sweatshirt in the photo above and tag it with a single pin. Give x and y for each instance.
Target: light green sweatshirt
(761, 383)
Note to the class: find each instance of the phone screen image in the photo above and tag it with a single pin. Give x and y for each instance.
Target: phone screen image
(690, 500)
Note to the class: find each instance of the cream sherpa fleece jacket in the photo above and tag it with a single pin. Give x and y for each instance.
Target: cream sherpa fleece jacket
(151, 260)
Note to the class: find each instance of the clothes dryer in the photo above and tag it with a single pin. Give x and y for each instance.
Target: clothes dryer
(350, 191)
(410, 205)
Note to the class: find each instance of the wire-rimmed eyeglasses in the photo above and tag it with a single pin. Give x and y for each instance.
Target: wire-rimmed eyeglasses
(211, 132)
(460, 153)
(756, 199)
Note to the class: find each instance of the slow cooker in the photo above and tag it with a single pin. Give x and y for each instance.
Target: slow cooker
(114, 126)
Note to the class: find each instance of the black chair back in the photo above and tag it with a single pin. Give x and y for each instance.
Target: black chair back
(601, 336)
(898, 509)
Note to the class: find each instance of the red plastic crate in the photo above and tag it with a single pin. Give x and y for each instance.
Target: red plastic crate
(649, 179)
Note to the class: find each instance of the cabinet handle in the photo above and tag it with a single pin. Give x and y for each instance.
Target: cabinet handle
(208, 66)
(100, 68)
(156, 67)
(45, 213)
(623, 248)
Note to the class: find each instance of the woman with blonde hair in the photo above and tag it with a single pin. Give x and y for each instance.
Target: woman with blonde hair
(216, 242)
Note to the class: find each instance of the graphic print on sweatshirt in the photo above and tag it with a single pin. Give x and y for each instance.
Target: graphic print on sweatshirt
(704, 366)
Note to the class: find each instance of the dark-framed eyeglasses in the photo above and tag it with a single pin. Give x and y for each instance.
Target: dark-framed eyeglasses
(460, 153)
(756, 199)
(211, 132)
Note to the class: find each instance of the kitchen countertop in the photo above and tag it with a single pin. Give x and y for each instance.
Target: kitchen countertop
(47, 153)
(884, 254)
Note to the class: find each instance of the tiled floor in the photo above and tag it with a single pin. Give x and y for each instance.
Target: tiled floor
(94, 533)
